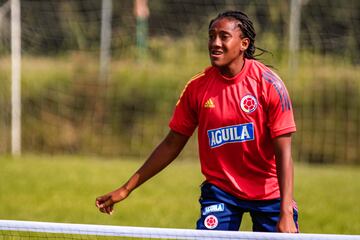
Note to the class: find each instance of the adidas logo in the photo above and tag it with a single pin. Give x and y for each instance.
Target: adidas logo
(209, 104)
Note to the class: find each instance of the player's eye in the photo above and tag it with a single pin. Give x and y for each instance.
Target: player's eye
(212, 36)
(224, 37)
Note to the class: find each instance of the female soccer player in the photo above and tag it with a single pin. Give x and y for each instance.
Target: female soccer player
(245, 121)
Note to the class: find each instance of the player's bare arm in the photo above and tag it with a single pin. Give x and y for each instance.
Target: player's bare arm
(285, 173)
(162, 156)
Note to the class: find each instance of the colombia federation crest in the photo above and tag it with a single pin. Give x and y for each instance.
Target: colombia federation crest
(248, 103)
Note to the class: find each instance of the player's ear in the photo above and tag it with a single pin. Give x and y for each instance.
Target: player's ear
(244, 44)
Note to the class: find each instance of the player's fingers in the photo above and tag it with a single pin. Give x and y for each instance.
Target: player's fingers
(100, 200)
(110, 209)
(97, 202)
(108, 202)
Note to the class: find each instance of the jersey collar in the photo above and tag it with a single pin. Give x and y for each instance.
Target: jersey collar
(238, 77)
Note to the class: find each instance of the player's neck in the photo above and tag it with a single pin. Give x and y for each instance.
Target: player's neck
(233, 68)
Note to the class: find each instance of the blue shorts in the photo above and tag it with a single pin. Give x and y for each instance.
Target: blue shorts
(222, 211)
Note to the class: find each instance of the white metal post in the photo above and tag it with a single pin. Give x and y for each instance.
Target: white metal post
(15, 78)
(294, 34)
(105, 45)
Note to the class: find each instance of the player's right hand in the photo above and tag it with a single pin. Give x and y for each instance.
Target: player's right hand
(105, 203)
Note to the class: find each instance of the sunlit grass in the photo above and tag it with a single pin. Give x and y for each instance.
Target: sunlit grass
(63, 189)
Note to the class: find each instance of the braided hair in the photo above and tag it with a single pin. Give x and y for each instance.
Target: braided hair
(246, 27)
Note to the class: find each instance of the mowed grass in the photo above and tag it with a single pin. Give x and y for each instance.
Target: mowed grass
(63, 189)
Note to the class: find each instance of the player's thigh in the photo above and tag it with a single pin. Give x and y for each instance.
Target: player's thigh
(224, 218)
(217, 210)
(264, 222)
(266, 218)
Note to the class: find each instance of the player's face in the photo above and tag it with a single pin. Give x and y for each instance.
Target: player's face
(227, 46)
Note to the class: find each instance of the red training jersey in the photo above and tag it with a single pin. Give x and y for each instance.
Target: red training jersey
(237, 119)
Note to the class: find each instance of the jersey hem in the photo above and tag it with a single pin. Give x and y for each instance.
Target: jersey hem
(283, 131)
(181, 131)
(244, 196)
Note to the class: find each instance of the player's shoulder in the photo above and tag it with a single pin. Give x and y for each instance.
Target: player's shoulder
(263, 72)
(200, 78)
(257, 68)
(204, 74)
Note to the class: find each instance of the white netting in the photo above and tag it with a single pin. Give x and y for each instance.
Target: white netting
(11, 229)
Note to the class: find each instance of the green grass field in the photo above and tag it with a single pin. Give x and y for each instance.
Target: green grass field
(63, 189)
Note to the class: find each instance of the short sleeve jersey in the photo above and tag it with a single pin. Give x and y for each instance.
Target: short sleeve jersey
(237, 118)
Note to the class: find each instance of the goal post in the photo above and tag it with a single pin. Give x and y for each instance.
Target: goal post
(105, 44)
(15, 78)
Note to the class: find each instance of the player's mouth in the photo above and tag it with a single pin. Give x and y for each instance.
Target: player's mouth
(214, 53)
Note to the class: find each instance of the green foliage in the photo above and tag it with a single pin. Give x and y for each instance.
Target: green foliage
(325, 93)
(63, 189)
(54, 27)
(66, 109)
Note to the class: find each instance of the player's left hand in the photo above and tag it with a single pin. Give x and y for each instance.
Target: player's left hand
(286, 224)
